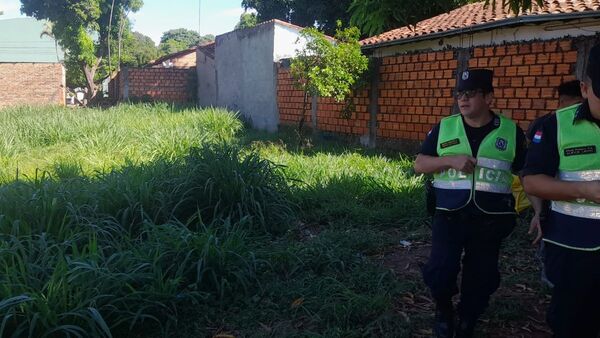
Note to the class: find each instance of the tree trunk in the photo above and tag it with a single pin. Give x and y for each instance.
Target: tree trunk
(303, 116)
(302, 119)
(90, 73)
(121, 28)
(109, 34)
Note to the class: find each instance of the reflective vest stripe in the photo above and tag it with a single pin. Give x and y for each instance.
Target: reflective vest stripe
(494, 164)
(455, 185)
(466, 185)
(584, 175)
(576, 209)
(491, 187)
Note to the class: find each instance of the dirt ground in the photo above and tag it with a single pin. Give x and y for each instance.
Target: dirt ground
(405, 261)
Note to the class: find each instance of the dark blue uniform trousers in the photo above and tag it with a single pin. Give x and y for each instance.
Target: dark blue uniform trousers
(575, 308)
(479, 236)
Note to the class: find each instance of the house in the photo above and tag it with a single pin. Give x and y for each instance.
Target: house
(245, 70)
(31, 64)
(417, 67)
(184, 59)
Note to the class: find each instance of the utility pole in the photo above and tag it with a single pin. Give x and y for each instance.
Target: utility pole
(199, 16)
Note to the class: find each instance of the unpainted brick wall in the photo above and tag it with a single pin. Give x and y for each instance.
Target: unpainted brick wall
(331, 116)
(32, 84)
(158, 84)
(415, 90)
(415, 93)
(290, 99)
(329, 112)
(526, 76)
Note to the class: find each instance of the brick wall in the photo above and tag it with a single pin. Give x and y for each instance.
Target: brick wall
(31, 84)
(290, 99)
(329, 112)
(415, 90)
(526, 75)
(158, 84)
(415, 93)
(332, 117)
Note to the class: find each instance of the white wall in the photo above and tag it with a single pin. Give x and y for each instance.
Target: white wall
(207, 80)
(287, 42)
(545, 31)
(247, 74)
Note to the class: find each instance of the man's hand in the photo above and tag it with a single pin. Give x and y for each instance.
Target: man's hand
(535, 226)
(463, 163)
(591, 191)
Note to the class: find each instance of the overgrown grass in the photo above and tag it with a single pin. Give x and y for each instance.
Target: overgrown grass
(54, 138)
(154, 220)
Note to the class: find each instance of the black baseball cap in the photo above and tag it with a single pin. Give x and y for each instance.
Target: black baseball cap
(476, 79)
(593, 69)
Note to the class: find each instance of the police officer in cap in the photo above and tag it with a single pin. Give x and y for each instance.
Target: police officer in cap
(472, 156)
(563, 165)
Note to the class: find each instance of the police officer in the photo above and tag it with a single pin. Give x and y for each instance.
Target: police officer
(563, 165)
(569, 93)
(472, 157)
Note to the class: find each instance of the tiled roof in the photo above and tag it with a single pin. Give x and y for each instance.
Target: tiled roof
(160, 60)
(477, 16)
(208, 49)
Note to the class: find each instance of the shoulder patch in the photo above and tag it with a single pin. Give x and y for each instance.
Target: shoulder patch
(501, 143)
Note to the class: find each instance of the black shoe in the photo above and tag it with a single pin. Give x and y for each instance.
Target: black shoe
(465, 328)
(443, 326)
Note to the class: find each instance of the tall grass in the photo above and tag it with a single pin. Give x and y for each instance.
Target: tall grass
(95, 139)
(136, 211)
(153, 220)
(99, 254)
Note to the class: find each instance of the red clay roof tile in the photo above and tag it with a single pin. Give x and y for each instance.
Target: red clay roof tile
(475, 14)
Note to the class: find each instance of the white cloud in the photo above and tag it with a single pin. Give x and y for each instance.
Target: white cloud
(11, 8)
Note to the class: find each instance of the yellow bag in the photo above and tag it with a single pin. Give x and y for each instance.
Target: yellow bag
(521, 200)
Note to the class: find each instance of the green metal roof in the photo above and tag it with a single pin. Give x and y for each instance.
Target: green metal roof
(21, 40)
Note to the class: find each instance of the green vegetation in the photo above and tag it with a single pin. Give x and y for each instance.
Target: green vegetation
(176, 40)
(101, 140)
(247, 20)
(85, 30)
(371, 16)
(327, 69)
(154, 220)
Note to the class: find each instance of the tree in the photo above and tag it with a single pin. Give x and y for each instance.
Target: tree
(206, 39)
(328, 68)
(304, 13)
(81, 27)
(138, 50)
(377, 16)
(247, 20)
(516, 6)
(372, 16)
(176, 40)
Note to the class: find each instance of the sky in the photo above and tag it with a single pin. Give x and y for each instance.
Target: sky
(157, 16)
